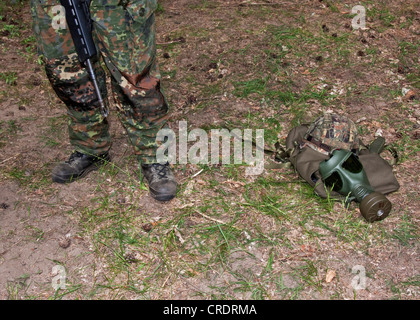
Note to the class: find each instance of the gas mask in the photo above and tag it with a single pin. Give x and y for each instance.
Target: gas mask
(344, 174)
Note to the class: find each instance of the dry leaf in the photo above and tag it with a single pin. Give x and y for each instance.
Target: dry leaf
(330, 275)
(410, 95)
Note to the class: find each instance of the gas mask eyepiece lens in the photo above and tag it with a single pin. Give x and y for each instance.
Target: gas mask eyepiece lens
(352, 164)
(334, 182)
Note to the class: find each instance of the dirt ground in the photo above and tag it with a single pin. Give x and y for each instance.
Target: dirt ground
(247, 64)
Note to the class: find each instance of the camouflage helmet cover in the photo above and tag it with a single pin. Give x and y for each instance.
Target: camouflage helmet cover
(332, 131)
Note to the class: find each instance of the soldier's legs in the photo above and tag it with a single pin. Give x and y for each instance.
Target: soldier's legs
(125, 31)
(88, 130)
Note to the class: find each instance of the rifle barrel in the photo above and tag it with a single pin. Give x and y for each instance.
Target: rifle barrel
(104, 109)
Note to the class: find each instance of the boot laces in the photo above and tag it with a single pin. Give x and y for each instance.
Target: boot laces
(161, 170)
(74, 156)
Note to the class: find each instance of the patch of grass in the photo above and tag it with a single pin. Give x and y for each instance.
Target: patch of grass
(36, 234)
(406, 147)
(69, 289)
(19, 174)
(247, 87)
(379, 12)
(9, 77)
(212, 89)
(16, 289)
(38, 178)
(29, 48)
(352, 231)
(294, 102)
(9, 128)
(160, 9)
(10, 30)
(308, 274)
(414, 79)
(409, 287)
(204, 4)
(406, 232)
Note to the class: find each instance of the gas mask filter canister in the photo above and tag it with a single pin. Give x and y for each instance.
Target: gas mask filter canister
(344, 173)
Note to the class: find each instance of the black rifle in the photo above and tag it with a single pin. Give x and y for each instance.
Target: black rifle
(80, 25)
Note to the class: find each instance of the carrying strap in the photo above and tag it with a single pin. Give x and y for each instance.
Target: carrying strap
(281, 155)
(282, 160)
(378, 146)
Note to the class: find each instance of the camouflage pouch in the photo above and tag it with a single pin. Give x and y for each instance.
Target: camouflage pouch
(306, 156)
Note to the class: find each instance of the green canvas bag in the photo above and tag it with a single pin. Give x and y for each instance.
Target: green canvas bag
(306, 157)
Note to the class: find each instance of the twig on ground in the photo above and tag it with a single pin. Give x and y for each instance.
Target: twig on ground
(209, 218)
(10, 158)
(215, 220)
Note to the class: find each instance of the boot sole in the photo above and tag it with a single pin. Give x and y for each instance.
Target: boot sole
(162, 197)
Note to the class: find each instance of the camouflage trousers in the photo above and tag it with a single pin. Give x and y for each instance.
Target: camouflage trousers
(124, 33)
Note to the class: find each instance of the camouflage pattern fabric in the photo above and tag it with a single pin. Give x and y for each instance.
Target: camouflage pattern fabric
(124, 32)
(331, 131)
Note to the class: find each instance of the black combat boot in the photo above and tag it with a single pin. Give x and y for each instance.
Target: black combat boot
(77, 166)
(162, 183)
